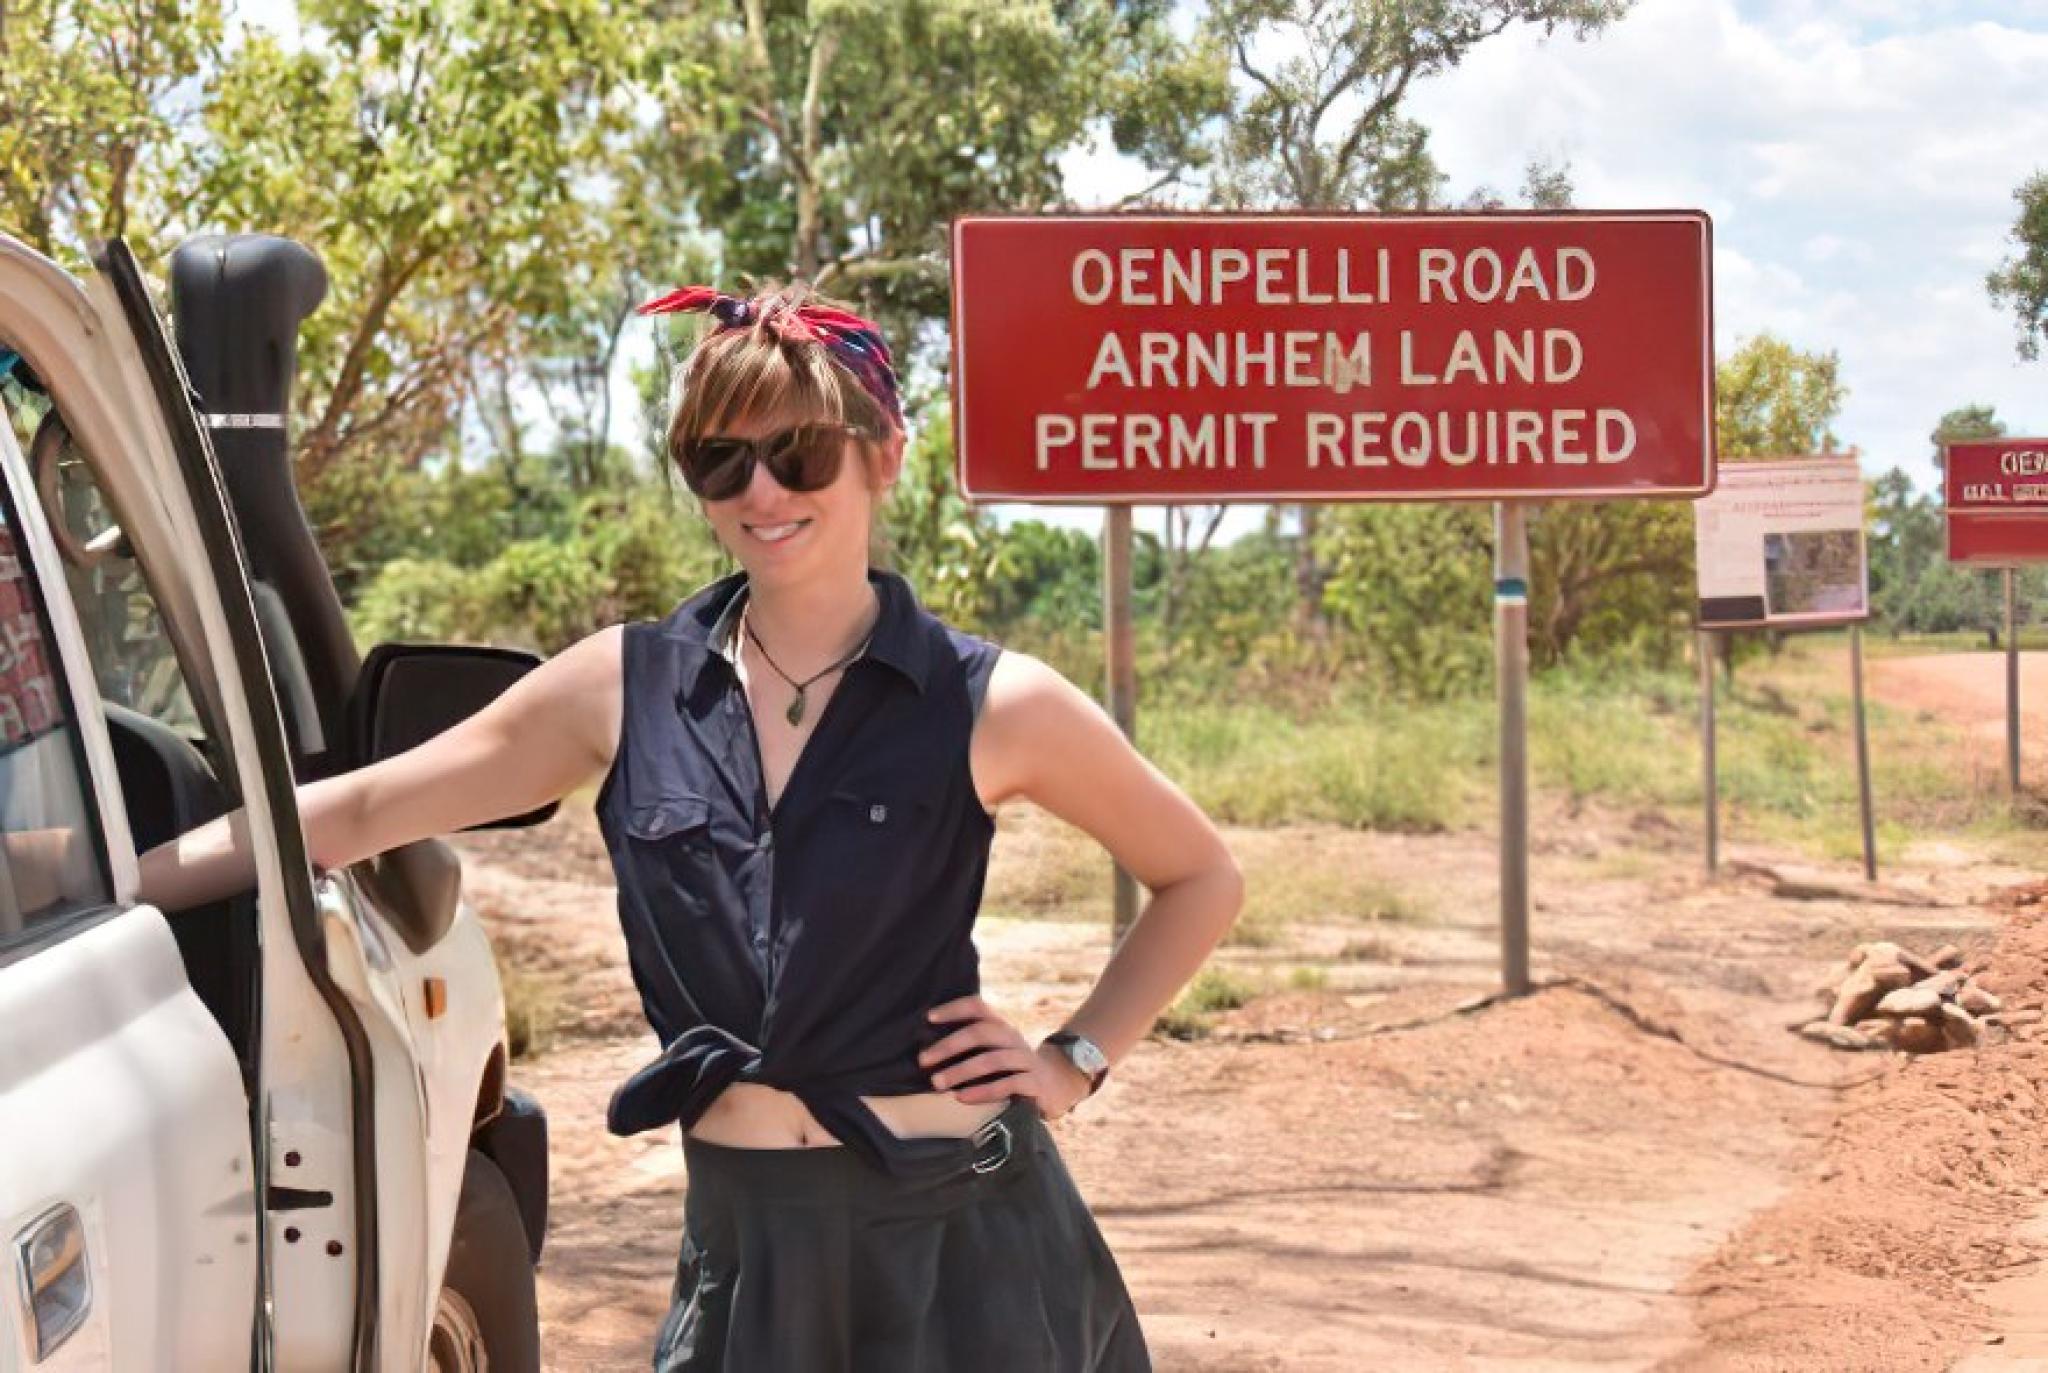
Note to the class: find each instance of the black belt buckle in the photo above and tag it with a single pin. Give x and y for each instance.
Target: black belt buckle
(999, 1132)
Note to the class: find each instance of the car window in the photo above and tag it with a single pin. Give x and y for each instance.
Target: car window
(132, 657)
(52, 853)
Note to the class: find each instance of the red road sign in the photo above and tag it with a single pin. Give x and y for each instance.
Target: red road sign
(1996, 491)
(1111, 358)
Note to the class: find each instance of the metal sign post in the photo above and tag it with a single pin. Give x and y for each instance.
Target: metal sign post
(1862, 755)
(1710, 780)
(2012, 682)
(1120, 653)
(1511, 668)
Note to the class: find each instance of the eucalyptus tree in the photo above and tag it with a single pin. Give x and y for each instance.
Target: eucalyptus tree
(2021, 282)
(98, 107)
(436, 153)
(834, 140)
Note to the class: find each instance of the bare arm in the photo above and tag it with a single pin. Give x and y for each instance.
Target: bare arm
(552, 731)
(1043, 738)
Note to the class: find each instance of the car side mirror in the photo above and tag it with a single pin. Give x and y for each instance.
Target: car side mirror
(408, 693)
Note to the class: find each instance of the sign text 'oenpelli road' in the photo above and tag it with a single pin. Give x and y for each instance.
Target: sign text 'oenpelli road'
(1109, 358)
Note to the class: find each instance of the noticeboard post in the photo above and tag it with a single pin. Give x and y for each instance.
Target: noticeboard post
(1995, 494)
(1209, 358)
(1780, 544)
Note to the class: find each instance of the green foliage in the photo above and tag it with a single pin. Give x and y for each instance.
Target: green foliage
(1233, 606)
(1045, 575)
(91, 112)
(1773, 400)
(1963, 424)
(1413, 585)
(2020, 283)
(837, 140)
(946, 548)
(1610, 580)
(563, 573)
(1323, 128)
(420, 600)
(431, 152)
(1217, 989)
(1354, 762)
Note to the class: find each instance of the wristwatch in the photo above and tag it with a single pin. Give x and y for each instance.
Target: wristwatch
(1084, 1053)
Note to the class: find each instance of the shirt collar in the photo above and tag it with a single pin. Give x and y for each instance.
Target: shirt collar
(710, 619)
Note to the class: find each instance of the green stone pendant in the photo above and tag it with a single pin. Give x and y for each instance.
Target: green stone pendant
(795, 713)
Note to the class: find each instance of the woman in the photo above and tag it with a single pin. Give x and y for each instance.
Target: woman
(799, 767)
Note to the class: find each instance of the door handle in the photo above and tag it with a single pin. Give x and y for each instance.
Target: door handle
(56, 1279)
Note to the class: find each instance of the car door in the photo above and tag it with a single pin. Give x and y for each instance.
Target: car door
(128, 1191)
(339, 1286)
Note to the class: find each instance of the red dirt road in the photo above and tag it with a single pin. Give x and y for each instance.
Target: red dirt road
(1968, 690)
(1635, 1168)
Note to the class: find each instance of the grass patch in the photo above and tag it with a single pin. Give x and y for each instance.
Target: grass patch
(1360, 767)
(1193, 1012)
(1308, 980)
(1256, 929)
(1177, 1023)
(1371, 948)
(533, 1011)
(1048, 870)
(1624, 735)
(1217, 989)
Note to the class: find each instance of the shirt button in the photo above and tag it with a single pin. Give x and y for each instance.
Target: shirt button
(761, 943)
(765, 842)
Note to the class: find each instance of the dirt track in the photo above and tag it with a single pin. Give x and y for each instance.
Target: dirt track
(1639, 1169)
(1968, 689)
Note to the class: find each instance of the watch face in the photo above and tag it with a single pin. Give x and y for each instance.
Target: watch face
(1087, 1057)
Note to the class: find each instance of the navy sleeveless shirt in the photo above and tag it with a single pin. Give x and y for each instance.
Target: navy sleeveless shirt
(798, 948)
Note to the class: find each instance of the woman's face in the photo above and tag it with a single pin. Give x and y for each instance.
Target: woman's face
(782, 536)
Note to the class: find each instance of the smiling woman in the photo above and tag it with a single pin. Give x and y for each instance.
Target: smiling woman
(800, 768)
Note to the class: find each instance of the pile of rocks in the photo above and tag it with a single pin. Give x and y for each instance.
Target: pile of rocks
(1888, 997)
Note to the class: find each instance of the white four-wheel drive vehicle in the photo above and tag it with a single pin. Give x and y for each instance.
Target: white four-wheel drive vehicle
(274, 1132)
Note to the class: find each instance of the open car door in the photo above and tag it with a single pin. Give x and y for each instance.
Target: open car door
(318, 1095)
(129, 1190)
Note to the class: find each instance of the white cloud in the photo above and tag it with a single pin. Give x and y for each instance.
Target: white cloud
(1858, 160)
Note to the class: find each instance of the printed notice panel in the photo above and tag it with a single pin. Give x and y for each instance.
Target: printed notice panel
(1107, 358)
(1996, 491)
(1781, 543)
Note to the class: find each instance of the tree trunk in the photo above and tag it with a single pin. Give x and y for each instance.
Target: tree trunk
(1309, 576)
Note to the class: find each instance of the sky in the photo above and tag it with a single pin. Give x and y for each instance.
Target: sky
(1858, 159)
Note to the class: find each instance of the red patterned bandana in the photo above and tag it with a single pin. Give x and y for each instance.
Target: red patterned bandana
(853, 342)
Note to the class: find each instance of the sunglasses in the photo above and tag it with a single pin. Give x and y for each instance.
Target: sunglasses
(806, 457)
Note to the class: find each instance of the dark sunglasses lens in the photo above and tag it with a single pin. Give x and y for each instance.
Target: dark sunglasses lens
(717, 469)
(807, 457)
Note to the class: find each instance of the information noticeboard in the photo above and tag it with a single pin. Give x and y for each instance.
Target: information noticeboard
(1781, 543)
(1211, 357)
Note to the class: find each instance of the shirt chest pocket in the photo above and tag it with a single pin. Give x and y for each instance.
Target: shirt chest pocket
(672, 851)
(871, 838)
